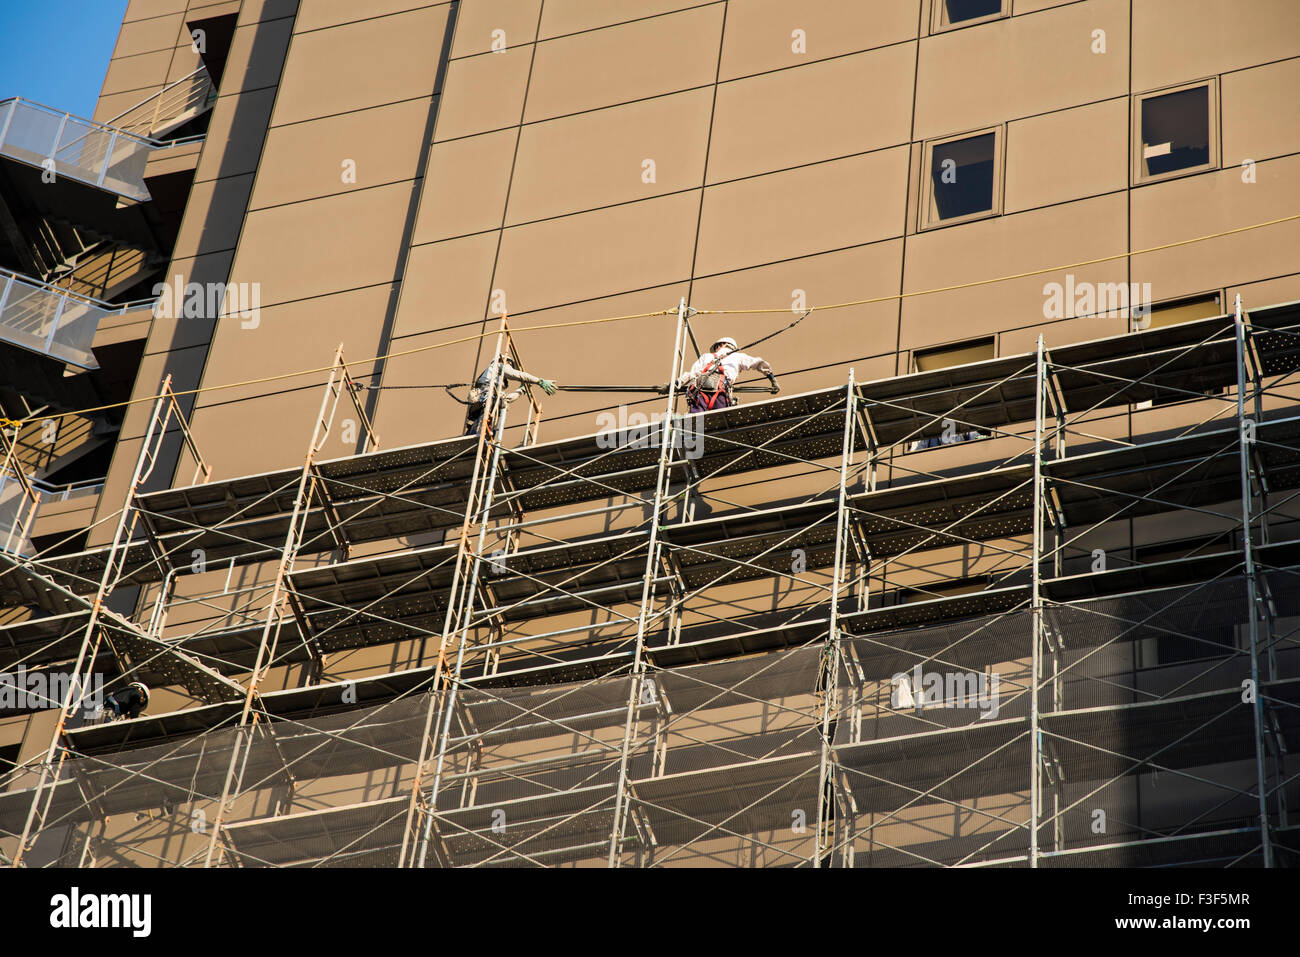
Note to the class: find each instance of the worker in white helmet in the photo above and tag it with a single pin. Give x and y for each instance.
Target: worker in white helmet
(709, 381)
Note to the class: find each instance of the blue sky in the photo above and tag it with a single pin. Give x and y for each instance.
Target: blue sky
(56, 51)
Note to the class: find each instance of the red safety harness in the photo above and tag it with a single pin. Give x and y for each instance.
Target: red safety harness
(711, 389)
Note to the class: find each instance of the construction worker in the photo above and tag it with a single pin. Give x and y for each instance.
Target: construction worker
(709, 381)
(480, 394)
(129, 702)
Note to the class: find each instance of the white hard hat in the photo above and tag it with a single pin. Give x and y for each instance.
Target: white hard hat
(726, 341)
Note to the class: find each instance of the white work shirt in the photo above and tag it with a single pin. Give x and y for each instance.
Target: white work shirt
(732, 365)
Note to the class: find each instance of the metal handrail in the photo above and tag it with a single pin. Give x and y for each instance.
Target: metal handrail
(8, 274)
(104, 156)
(205, 86)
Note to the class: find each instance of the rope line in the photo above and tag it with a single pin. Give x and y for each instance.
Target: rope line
(666, 312)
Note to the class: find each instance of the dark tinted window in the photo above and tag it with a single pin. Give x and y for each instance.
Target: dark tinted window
(963, 176)
(959, 10)
(1176, 130)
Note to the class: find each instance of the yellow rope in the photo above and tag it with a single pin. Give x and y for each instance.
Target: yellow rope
(667, 312)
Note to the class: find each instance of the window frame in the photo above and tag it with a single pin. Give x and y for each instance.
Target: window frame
(1137, 166)
(927, 212)
(939, 9)
(1144, 323)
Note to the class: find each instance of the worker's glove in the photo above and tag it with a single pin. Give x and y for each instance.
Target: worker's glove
(772, 379)
(662, 389)
(547, 386)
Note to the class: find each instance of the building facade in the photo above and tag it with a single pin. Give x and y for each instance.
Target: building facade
(1013, 533)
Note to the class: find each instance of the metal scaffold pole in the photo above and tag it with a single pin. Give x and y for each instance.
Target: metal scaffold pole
(825, 843)
(1036, 600)
(1246, 438)
(635, 690)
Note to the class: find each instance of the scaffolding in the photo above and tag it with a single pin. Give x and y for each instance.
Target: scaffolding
(1039, 610)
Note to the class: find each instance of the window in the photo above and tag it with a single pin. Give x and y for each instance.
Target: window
(962, 179)
(961, 13)
(1180, 310)
(957, 354)
(942, 357)
(1175, 132)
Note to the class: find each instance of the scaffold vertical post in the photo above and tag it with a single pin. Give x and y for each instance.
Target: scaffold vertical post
(666, 433)
(824, 843)
(1245, 438)
(1036, 598)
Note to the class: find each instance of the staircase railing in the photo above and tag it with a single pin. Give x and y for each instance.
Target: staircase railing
(171, 105)
(55, 322)
(104, 156)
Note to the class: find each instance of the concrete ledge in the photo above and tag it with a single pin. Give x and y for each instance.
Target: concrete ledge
(132, 325)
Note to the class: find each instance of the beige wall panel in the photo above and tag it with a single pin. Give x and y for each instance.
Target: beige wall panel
(624, 59)
(305, 160)
(175, 331)
(298, 335)
(792, 117)
(202, 9)
(137, 73)
(1032, 6)
(803, 211)
(1266, 293)
(1212, 202)
(562, 17)
(362, 64)
(1212, 36)
(115, 104)
(477, 20)
(1060, 333)
(144, 9)
(1066, 155)
(184, 364)
(234, 140)
(341, 242)
(185, 60)
(596, 159)
(256, 56)
(214, 216)
(572, 259)
(858, 331)
(1020, 66)
(316, 14)
(147, 36)
(760, 32)
(1261, 113)
(446, 284)
(409, 416)
(243, 438)
(484, 93)
(465, 186)
(1006, 245)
